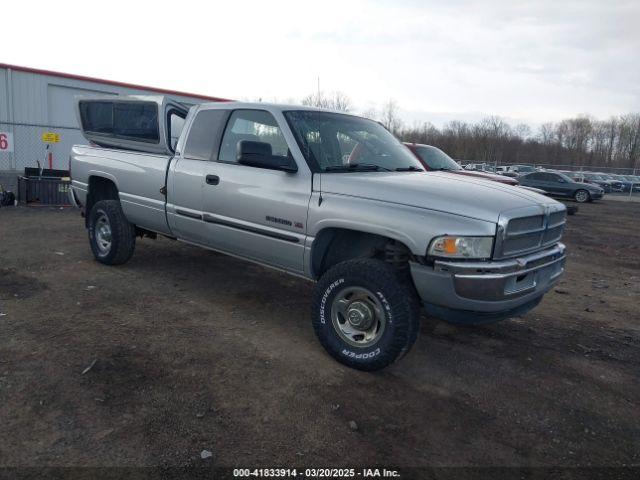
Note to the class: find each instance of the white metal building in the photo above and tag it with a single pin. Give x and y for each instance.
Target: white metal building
(34, 102)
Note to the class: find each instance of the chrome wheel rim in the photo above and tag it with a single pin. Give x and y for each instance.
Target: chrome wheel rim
(103, 234)
(358, 317)
(582, 196)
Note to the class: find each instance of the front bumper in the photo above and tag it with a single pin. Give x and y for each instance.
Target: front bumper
(480, 292)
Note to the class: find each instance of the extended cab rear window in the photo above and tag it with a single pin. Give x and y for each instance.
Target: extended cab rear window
(204, 135)
(128, 120)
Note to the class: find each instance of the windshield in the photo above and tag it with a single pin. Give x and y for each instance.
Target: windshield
(333, 142)
(525, 168)
(436, 159)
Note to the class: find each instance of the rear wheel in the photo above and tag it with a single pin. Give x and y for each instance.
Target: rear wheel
(364, 314)
(111, 236)
(581, 196)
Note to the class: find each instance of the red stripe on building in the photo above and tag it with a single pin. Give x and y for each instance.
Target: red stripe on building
(72, 76)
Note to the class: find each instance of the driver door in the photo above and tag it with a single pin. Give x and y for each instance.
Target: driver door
(556, 184)
(257, 213)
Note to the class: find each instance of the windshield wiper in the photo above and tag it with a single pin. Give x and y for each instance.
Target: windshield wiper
(409, 169)
(353, 167)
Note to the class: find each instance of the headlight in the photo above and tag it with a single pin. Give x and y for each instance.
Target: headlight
(451, 246)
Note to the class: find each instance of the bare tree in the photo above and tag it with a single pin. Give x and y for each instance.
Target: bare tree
(547, 133)
(334, 101)
(576, 141)
(630, 140)
(315, 100)
(390, 117)
(579, 141)
(522, 131)
(341, 102)
(371, 113)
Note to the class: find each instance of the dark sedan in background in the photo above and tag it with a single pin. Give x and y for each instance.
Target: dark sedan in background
(629, 182)
(600, 179)
(558, 184)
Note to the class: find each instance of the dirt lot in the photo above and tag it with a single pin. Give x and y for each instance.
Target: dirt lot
(194, 350)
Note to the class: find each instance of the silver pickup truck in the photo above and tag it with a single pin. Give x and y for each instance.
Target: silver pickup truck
(327, 196)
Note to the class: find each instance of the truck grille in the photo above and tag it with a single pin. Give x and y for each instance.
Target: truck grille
(524, 234)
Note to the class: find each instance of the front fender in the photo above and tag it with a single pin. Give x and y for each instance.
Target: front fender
(414, 227)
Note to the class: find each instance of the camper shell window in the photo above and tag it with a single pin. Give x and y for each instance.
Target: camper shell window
(127, 120)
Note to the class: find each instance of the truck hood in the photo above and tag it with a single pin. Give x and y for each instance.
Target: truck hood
(487, 176)
(441, 191)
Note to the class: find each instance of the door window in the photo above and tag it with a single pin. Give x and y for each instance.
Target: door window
(548, 177)
(254, 125)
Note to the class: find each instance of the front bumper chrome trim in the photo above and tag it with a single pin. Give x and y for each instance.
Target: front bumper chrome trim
(513, 266)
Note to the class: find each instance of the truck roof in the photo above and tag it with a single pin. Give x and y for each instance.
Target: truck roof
(281, 107)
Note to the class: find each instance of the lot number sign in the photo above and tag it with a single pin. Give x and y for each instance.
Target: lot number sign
(6, 142)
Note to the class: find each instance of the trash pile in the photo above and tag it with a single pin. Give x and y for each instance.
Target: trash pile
(7, 198)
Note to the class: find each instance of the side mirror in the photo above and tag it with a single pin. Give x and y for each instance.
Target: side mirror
(259, 155)
(561, 180)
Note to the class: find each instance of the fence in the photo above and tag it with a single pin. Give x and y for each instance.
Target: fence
(622, 187)
(589, 168)
(22, 145)
(567, 167)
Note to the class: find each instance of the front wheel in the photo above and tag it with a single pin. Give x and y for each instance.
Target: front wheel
(111, 236)
(581, 196)
(364, 314)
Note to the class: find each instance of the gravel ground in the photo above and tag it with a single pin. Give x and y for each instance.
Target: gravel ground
(183, 350)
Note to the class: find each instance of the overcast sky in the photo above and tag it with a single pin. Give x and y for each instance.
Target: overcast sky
(529, 61)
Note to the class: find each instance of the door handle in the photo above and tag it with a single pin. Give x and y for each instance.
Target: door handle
(213, 180)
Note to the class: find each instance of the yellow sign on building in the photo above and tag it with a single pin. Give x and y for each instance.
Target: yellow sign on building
(50, 137)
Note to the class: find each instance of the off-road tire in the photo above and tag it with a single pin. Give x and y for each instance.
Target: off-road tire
(123, 239)
(400, 305)
(579, 196)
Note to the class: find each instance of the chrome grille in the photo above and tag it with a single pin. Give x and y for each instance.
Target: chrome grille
(526, 224)
(557, 218)
(527, 233)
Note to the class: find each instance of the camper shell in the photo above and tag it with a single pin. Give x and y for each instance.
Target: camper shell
(142, 123)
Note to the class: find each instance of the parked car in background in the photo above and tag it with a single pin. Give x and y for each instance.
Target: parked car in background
(617, 185)
(558, 184)
(627, 183)
(635, 180)
(504, 171)
(434, 159)
(521, 169)
(480, 167)
(597, 179)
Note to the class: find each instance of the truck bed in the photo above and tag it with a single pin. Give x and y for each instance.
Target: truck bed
(137, 176)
